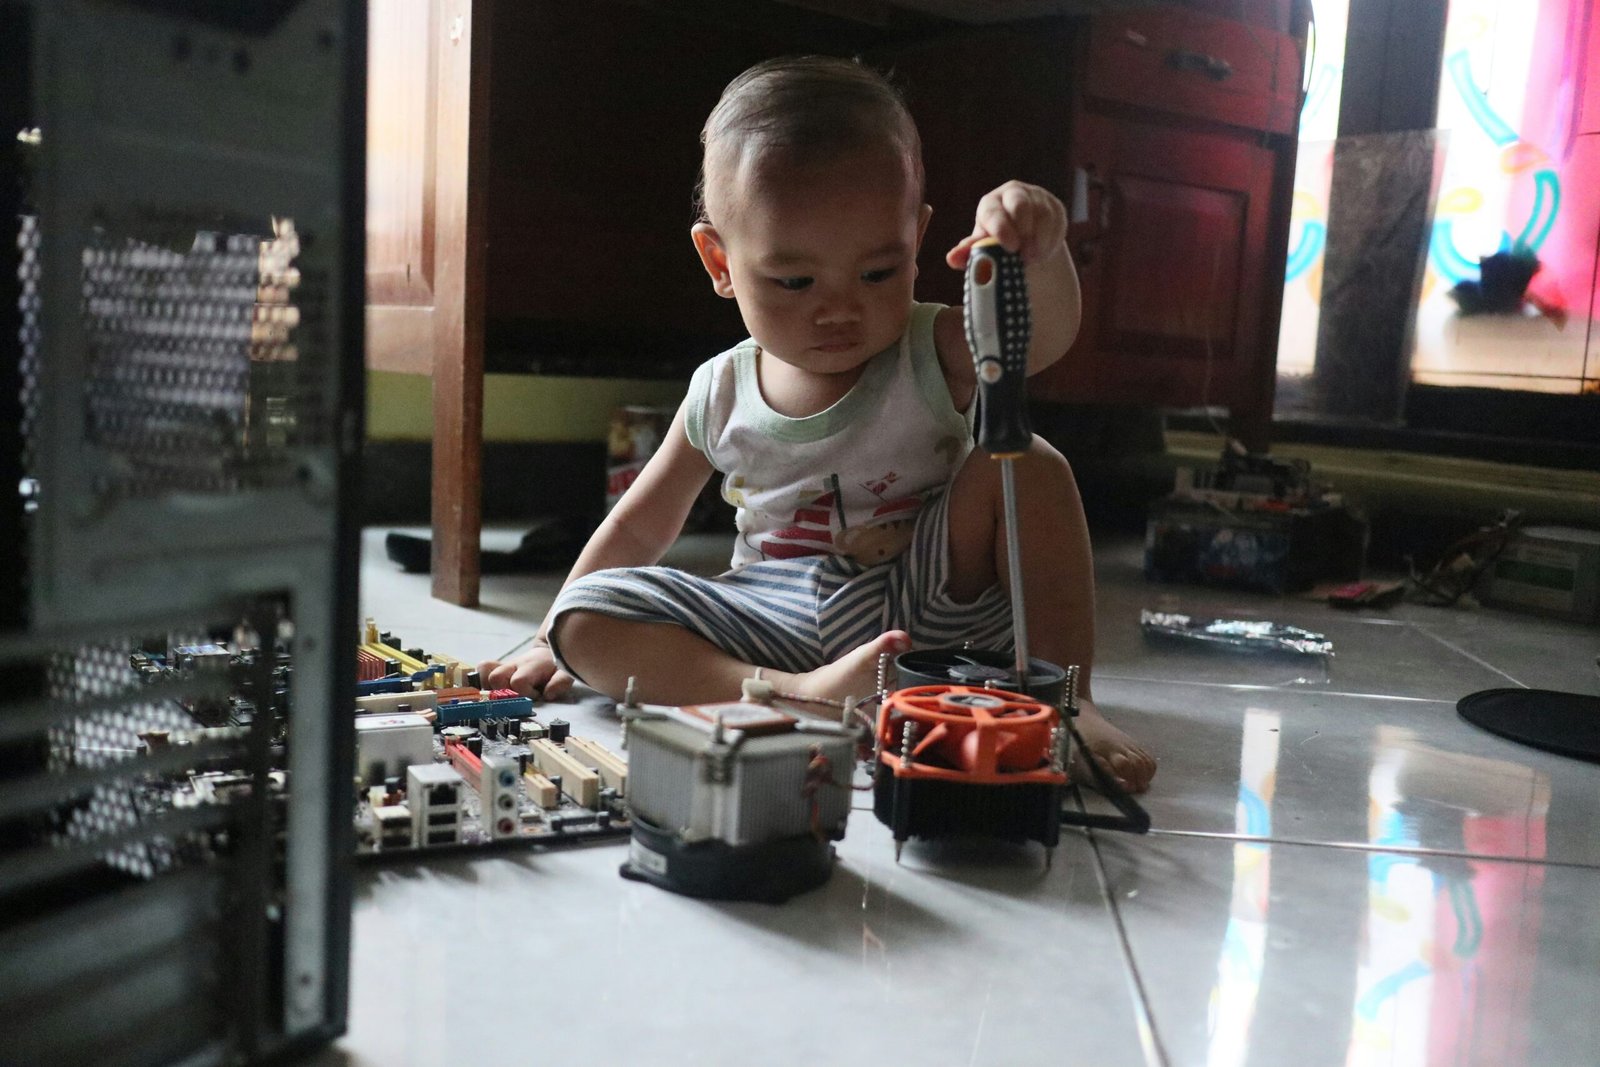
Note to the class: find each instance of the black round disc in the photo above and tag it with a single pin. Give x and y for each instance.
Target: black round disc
(1568, 723)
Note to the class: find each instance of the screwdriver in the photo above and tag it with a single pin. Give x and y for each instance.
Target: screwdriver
(998, 330)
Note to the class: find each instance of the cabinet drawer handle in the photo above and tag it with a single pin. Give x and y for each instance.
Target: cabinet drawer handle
(1214, 67)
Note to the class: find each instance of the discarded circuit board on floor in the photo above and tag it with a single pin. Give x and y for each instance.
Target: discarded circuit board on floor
(442, 764)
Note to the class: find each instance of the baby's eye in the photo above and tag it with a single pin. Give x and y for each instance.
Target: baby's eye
(874, 277)
(793, 285)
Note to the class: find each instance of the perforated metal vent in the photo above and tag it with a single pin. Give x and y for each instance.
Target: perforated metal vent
(192, 373)
(28, 302)
(100, 676)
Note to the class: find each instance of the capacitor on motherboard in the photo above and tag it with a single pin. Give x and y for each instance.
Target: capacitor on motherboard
(559, 728)
(475, 744)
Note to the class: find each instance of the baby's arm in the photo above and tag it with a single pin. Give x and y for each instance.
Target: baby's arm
(1033, 222)
(637, 533)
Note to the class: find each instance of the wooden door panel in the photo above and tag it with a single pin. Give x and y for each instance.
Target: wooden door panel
(427, 114)
(420, 86)
(1171, 254)
(1173, 267)
(402, 127)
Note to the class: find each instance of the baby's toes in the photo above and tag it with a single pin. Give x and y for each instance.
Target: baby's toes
(1131, 766)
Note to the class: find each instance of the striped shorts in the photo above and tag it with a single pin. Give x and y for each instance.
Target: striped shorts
(798, 614)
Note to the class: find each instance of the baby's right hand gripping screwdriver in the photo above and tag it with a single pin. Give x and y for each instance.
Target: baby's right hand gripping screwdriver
(998, 332)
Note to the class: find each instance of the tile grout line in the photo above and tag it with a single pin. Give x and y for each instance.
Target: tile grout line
(1155, 1053)
(1367, 846)
(1463, 652)
(1244, 687)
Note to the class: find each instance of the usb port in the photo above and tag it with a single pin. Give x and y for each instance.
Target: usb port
(442, 837)
(442, 818)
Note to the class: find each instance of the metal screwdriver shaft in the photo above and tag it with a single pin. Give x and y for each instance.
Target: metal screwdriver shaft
(1019, 616)
(998, 329)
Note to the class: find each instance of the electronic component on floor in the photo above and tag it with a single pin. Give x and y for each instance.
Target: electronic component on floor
(1548, 570)
(611, 768)
(394, 827)
(518, 781)
(578, 781)
(387, 744)
(433, 793)
(541, 790)
(960, 760)
(980, 760)
(418, 702)
(484, 706)
(498, 797)
(735, 801)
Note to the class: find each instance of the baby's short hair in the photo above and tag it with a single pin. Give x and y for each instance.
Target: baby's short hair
(816, 108)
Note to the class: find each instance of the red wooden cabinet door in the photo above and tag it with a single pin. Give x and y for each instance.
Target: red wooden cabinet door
(1172, 258)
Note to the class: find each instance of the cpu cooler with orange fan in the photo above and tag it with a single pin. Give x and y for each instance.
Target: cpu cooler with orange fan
(965, 750)
(957, 760)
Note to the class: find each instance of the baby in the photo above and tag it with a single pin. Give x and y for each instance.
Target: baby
(867, 522)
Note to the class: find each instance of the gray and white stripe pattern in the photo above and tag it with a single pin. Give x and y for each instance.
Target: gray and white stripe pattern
(797, 614)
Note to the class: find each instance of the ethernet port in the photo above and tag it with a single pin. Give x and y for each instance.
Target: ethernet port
(442, 794)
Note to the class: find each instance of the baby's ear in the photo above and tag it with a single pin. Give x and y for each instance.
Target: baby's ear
(713, 256)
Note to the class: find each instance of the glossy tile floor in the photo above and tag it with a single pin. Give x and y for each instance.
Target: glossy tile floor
(1342, 872)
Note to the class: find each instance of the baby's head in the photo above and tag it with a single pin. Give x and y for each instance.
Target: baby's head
(811, 209)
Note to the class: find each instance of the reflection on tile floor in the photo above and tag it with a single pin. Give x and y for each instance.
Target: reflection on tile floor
(952, 957)
(1343, 872)
(1284, 954)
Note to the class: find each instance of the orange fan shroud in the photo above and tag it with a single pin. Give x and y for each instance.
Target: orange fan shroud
(968, 734)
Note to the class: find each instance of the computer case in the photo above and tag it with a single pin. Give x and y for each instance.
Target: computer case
(181, 396)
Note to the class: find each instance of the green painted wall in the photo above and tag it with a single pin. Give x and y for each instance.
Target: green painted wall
(516, 407)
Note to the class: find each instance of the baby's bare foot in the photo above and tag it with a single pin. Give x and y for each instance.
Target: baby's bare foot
(854, 674)
(1129, 763)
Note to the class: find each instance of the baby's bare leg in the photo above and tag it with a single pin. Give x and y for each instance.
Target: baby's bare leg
(671, 665)
(1057, 573)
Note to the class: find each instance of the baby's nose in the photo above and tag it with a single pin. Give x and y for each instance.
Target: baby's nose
(838, 309)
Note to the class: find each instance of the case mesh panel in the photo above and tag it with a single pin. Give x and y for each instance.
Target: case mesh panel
(194, 379)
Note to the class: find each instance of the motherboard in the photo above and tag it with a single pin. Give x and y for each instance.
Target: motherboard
(441, 764)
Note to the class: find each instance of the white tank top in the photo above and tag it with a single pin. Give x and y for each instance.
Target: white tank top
(848, 480)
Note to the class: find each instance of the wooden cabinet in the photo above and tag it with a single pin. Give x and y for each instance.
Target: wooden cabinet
(1173, 262)
(1169, 132)
(991, 104)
